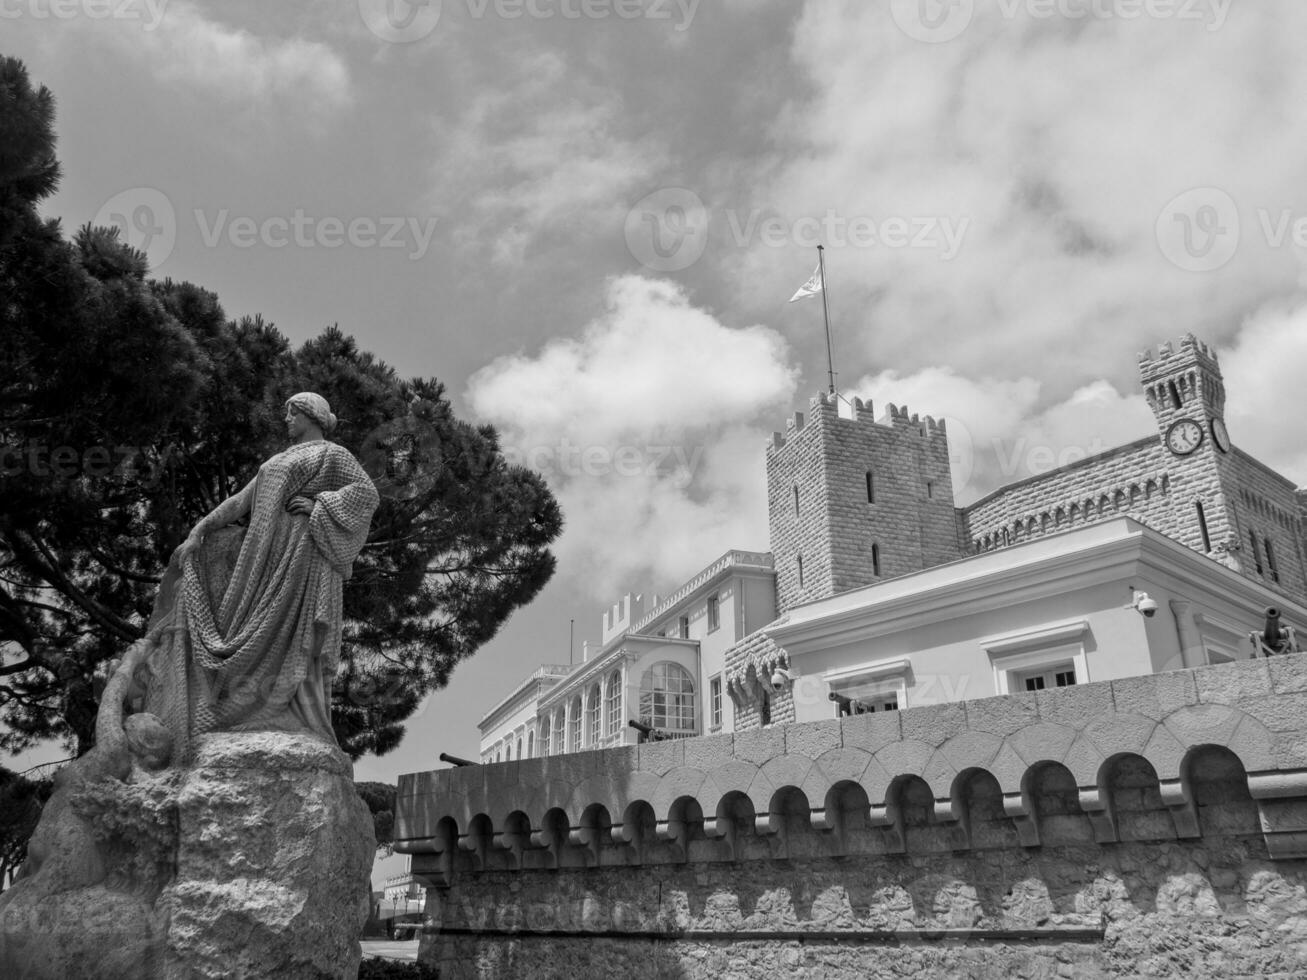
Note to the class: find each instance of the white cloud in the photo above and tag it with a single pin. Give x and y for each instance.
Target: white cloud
(1061, 142)
(650, 427)
(1000, 432)
(542, 155)
(1264, 371)
(179, 44)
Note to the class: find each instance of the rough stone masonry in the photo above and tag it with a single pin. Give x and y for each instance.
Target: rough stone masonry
(1151, 826)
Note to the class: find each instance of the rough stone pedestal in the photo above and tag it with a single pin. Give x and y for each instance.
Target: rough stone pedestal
(274, 862)
(253, 861)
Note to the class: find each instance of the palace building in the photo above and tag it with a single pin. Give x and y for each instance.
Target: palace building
(879, 593)
(1051, 733)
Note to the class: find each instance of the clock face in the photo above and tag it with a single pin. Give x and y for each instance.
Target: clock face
(1184, 437)
(1220, 436)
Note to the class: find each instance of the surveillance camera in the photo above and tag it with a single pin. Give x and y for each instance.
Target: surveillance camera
(779, 679)
(1145, 604)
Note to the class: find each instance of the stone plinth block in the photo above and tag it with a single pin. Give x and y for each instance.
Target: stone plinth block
(254, 861)
(274, 861)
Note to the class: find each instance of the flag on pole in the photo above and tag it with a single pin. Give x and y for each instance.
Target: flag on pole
(810, 288)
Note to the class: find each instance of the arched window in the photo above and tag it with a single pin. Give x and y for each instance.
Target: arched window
(574, 725)
(594, 716)
(613, 702)
(667, 698)
(508, 752)
(559, 746)
(519, 746)
(530, 744)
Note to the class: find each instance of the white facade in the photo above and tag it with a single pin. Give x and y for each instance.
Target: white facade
(1053, 612)
(662, 666)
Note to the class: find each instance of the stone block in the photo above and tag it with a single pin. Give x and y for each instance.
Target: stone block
(1233, 683)
(683, 781)
(871, 732)
(761, 744)
(709, 751)
(1279, 713)
(934, 724)
(1009, 769)
(1154, 695)
(1113, 733)
(1002, 715)
(813, 738)
(1288, 673)
(1085, 761)
(1074, 706)
(660, 757)
(907, 758)
(1045, 742)
(971, 750)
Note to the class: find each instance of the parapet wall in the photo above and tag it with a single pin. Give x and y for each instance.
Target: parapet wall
(1148, 825)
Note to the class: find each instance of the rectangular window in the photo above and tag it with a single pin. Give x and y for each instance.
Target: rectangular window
(875, 559)
(714, 612)
(1202, 525)
(1063, 675)
(614, 702)
(1270, 560)
(1257, 554)
(800, 571)
(684, 625)
(715, 701)
(871, 487)
(930, 488)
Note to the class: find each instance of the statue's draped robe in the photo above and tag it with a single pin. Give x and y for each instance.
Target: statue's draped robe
(264, 655)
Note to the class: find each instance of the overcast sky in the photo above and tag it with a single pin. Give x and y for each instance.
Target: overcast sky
(587, 216)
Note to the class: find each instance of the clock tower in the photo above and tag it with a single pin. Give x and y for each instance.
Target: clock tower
(1224, 503)
(1184, 389)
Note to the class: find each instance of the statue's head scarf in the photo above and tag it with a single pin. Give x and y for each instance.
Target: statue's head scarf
(315, 407)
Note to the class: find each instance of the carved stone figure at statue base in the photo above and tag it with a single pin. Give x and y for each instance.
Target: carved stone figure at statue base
(214, 830)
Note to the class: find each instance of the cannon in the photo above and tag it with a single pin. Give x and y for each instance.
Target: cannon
(647, 732)
(454, 760)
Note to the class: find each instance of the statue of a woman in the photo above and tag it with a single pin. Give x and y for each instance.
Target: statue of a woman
(253, 645)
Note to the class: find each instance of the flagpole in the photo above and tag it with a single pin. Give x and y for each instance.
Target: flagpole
(830, 361)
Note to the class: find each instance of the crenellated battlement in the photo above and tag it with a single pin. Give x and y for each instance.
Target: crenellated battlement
(824, 407)
(1189, 347)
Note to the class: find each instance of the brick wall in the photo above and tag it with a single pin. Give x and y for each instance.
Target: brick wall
(832, 524)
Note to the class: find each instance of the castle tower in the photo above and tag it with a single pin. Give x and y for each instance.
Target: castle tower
(1228, 505)
(852, 501)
